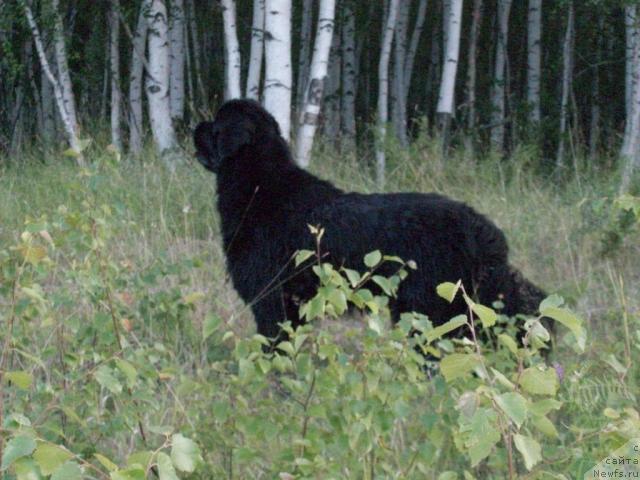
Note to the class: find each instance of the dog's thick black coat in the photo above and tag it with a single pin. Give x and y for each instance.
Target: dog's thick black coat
(266, 204)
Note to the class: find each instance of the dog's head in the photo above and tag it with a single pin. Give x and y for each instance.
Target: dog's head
(238, 125)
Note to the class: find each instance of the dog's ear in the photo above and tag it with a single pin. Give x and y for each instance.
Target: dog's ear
(205, 142)
(234, 136)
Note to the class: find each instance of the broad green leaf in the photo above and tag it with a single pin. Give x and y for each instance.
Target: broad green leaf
(458, 365)
(569, 320)
(385, 284)
(141, 459)
(67, 471)
(26, 469)
(508, 342)
(552, 301)
(486, 315)
(129, 371)
(448, 290)
(106, 379)
(372, 259)
(131, 473)
(105, 462)
(504, 381)
(530, 450)
(544, 406)
(539, 382)
(21, 379)
(514, 405)
(49, 457)
(165, 467)
(17, 447)
(545, 425)
(303, 255)
(353, 276)
(211, 323)
(185, 454)
(440, 331)
(338, 299)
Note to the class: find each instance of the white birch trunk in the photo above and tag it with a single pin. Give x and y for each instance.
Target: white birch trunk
(48, 104)
(446, 99)
(349, 74)
(305, 47)
(497, 92)
(631, 34)
(257, 51)
(534, 58)
(631, 147)
(278, 75)
(67, 121)
(383, 90)
(313, 98)
(476, 20)
(158, 79)
(176, 69)
(567, 74)
(135, 79)
(63, 66)
(231, 50)
(114, 63)
(399, 111)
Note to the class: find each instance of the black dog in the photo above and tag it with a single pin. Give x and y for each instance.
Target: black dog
(266, 204)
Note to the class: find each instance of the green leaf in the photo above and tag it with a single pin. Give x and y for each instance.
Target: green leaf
(353, 276)
(128, 370)
(17, 447)
(569, 320)
(303, 255)
(508, 342)
(373, 258)
(338, 299)
(384, 284)
(21, 379)
(552, 301)
(458, 365)
(67, 471)
(539, 382)
(211, 323)
(448, 290)
(487, 316)
(440, 331)
(27, 469)
(49, 457)
(530, 450)
(165, 467)
(131, 473)
(545, 425)
(514, 405)
(105, 462)
(106, 379)
(185, 454)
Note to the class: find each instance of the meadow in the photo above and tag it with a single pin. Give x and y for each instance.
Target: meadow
(126, 354)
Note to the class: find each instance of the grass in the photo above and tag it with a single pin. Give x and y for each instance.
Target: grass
(555, 230)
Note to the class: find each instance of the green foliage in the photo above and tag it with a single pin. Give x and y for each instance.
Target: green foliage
(113, 367)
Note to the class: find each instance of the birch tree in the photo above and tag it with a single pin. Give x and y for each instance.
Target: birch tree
(69, 127)
(567, 75)
(177, 61)
(446, 100)
(476, 19)
(278, 75)
(630, 151)
(499, 78)
(315, 88)
(331, 118)
(232, 50)
(114, 63)
(383, 89)
(349, 73)
(257, 51)
(158, 79)
(534, 58)
(135, 79)
(398, 110)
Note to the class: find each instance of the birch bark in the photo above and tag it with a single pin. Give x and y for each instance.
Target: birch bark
(176, 68)
(232, 50)
(158, 79)
(349, 69)
(114, 63)
(257, 51)
(383, 90)
(567, 75)
(135, 79)
(278, 75)
(476, 19)
(305, 47)
(313, 98)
